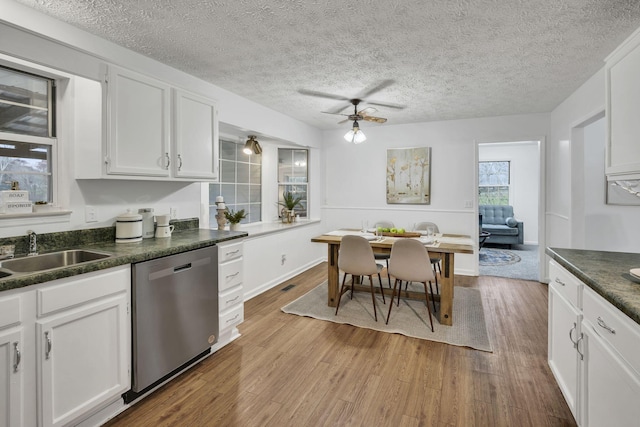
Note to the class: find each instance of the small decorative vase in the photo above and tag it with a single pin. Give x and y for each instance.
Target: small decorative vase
(234, 226)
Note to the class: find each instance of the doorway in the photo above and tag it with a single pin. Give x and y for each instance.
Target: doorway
(509, 173)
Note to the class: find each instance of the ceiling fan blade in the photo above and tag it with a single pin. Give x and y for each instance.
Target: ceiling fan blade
(374, 119)
(322, 94)
(343, 121)
(338, 109)
(335, 114)
(377, 87)
(381, 104)
(367, 111)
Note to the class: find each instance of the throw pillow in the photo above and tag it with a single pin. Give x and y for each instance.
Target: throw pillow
(511, 222)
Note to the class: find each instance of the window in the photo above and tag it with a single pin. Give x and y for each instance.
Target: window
(494, 180)
(240, 182)
(293, 177)
(27, 130)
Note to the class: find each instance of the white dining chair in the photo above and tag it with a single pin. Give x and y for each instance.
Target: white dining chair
(356, 259)
(384, 257)
(408, 263)
(435, 261)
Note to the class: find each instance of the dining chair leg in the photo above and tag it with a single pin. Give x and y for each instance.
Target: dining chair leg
(381, 290)
(373, 298)
(340, 294)
(433, 300)
(399, 292)
(426, 296)
(393, 294)
(388, 277)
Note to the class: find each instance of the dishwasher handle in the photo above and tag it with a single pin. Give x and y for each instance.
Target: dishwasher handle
(180, 268)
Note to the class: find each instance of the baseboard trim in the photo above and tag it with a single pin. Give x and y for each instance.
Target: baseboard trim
(275, 282)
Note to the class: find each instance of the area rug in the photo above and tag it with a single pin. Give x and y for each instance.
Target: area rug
(410, 318)
(520, 262)
(497, 257)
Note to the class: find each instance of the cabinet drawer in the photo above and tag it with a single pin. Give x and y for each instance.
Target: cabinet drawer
(565, 283)
(230, 275)
(68, 292)
(230, 298)
(227, 252)
(616, 328)
(232, 318)
(10, 311)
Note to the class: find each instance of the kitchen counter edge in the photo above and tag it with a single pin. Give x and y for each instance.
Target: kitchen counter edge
(126, 253)
(607, 273)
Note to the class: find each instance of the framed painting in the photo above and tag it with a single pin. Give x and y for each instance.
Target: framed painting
(409, 176)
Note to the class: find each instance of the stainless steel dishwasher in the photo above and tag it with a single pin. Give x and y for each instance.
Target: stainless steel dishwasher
(174, 314)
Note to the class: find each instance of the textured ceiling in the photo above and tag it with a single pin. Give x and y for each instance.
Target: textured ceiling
(447, 59)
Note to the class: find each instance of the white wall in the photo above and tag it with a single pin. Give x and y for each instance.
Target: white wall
(355, 174)
(524, 158)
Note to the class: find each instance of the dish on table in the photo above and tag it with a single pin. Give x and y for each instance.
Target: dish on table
(635, 272)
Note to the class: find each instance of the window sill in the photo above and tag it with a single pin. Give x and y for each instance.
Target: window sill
(12, 220)
(263, 228)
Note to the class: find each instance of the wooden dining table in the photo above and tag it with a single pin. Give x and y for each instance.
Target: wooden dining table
(444, 247)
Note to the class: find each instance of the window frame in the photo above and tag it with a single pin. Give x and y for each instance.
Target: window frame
(284, 184)
(61, 103)
(236, 161)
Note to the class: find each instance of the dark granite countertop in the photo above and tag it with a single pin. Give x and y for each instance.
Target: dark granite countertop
(607, 273)
(123, 253)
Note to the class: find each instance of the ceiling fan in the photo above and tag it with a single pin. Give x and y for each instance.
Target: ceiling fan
(355, 135)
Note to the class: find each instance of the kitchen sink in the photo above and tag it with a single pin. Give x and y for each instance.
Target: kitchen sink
(4, 274)
(33, 264)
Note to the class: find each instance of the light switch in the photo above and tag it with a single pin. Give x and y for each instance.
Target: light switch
(90, 214)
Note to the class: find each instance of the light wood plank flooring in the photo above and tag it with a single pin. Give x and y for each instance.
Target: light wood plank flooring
(288, 370)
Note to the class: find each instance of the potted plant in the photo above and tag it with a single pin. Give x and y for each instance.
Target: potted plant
(290, 203)
(234, 218)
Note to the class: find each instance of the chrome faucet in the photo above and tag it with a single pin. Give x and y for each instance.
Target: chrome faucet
(33, 245)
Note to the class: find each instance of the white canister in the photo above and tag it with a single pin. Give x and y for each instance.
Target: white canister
(129, 227)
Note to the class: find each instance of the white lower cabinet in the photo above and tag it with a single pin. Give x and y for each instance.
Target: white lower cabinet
(563, 357)
(230, 291)
(594, 354)
(65, 348)
(11, 378)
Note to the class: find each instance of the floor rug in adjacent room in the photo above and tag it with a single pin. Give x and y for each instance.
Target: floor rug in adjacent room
(410, 318)
(519, 262)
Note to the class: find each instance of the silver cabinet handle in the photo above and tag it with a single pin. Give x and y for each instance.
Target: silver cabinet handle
(180, 162)
(560, 282)
(232, 319)
(604, 325)
(16, 357)
(230, 276)
(233, 299)
(232, 252)
(575, 343)
(166, 155)
(47, 350)
(578, 346)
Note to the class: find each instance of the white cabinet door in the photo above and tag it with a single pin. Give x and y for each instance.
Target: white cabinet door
(612, 390)
(83, 356)
(11, 378)
(564, 330)
(138, 124)
(196, 136)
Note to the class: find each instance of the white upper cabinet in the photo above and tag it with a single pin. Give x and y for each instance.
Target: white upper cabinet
(138, 124)
(623, 109)
(137, 127)
(195, 136)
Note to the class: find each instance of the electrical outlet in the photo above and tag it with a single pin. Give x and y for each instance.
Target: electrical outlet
(173, 212)
(90, 214)
(468, 203)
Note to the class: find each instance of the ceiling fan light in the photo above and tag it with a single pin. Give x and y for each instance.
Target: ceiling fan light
(355, 135)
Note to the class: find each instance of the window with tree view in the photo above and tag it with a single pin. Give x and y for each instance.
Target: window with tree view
(293, 178)
(27, 133)
(493, 180)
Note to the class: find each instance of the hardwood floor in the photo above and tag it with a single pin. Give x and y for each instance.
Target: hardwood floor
(288, 370)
